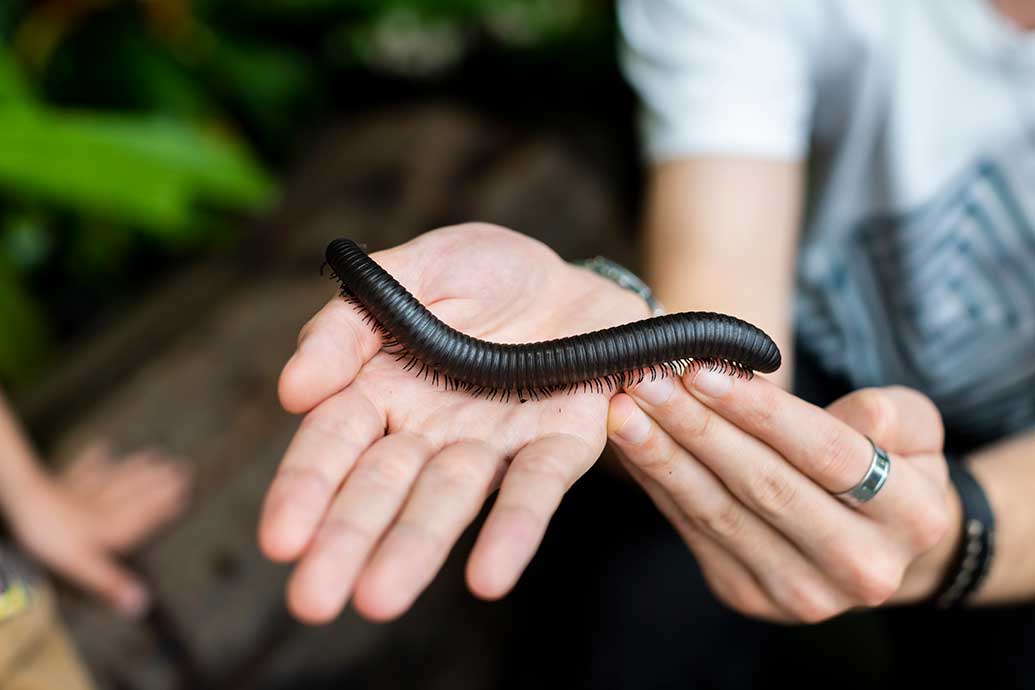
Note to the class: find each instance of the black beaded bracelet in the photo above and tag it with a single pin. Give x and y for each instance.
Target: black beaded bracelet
(972, 562)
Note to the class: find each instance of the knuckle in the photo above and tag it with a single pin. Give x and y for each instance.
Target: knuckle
(877, 413)
(529, 522)
(391, 470)
(930, 525)
(457, 472)
(772, 493)
(809, 602)
(698, 424)
(657, 460)
(761, 414)
(425, 533)
(310, 482)
(342, 428)
(724, 522)
(396, 460)
(934, 469)
(927, 409)
(755, 607)
(836, 459)
(546, 468)
(872, 581)
(741, 596)
(338, 527)
(749, 601)
(811, 614)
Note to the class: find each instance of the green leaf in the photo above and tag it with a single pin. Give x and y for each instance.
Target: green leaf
(146, 172)
(14, 91)
(268, 83)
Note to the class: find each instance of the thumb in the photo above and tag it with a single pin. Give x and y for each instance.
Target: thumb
(98, 573)
(900, 419)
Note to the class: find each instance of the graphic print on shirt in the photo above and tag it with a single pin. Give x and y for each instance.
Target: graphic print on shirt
(943, 299)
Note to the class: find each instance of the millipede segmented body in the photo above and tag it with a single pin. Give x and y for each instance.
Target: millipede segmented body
(604, 359)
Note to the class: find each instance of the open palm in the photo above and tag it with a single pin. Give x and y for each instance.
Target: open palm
(387, 470)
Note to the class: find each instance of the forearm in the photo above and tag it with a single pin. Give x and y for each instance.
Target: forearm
(20, 472)
(721, 235)
(1006, 471)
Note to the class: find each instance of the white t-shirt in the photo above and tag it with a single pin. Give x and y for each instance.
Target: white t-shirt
(917, 263)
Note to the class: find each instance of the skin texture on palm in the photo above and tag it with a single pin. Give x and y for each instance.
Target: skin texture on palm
(100, 507)
(386, 470)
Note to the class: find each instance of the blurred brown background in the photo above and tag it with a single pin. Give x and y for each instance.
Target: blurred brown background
(170, 172)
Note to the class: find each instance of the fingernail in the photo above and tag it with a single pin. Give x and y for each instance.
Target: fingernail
(635, 428)
(134, 601)
(656, 392)
(713, 383)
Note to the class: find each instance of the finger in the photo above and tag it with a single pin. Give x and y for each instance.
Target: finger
(730, 579)
(837, 539)
(95, 572)
(332, 347)
(829, 451)
(363, 509)
(335, 344)
(756, 474)
(446, 498)
(140, 473)
(140, 515)
(824, 448)
(791, 580)
(900, 419)
(86, 472)
(322, 452)
(538, 477)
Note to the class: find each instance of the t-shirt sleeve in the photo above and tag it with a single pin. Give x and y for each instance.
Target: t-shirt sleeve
(719, 77)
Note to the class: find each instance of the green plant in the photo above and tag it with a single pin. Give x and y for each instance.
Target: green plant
(139, 173)
(130, 132)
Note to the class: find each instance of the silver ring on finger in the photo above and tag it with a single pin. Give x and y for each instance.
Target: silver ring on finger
(872, 482)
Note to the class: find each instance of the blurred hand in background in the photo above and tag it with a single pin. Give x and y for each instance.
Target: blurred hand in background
(99, 507)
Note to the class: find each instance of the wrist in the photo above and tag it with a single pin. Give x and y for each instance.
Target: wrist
(21, 475)
(22, 494)
(631, 306)
(629, 298)
(625, 279)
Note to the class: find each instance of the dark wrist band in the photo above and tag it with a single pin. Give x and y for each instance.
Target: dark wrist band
(977, 547)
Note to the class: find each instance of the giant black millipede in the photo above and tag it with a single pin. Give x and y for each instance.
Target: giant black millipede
(614, 357)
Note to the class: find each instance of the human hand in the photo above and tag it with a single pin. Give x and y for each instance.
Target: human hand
(387, 470)
(100, 506)
(746, 472)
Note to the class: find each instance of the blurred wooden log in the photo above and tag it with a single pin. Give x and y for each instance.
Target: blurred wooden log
(194, 367)
(87, 369)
